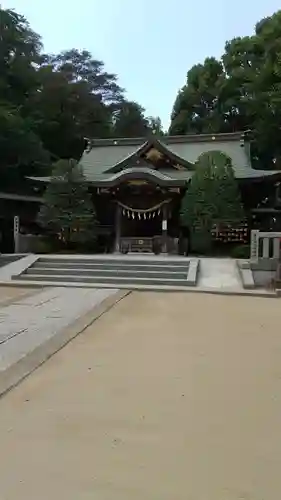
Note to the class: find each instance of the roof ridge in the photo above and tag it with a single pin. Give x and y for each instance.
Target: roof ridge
(166, 139)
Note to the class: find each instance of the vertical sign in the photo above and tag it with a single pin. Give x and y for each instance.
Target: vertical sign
(254, 245)
(16, 233)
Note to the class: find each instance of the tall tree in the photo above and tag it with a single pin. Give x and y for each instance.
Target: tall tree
(129, 121)
(241, 91)
(197, 106)
(211, 200)
(77, 98)
(79, 66)
(22, 151)
(49, 104)
(65, 113)
(155, 125)
(67, 210)
(19, 53)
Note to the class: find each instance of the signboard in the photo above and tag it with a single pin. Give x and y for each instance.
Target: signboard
(16, 225)
(16, 233)
(164, 225)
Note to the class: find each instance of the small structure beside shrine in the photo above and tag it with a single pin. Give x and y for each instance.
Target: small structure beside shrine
(138, 184)
(262, 270)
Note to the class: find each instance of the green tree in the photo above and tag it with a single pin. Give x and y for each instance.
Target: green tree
(240, 91)
(19, 54)
(22, 151)
(228, 209)
(67, 210)
(212, 199)
(129, 121)
(155, 125)
(79, 66)
(197, 106)
(49, 104)
(197, 207)
(76, 100)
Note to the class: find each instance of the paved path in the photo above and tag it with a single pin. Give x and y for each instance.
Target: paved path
(219, 274)
(10, 294)
(165, 397)
(27, 323)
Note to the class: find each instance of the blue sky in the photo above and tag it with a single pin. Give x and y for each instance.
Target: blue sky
(150, 44)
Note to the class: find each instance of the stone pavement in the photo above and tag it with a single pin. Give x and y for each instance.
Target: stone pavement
(219, 274)
(29, 323)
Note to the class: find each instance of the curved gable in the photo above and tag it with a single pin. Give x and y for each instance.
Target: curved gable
(142, 173)
(142, 155)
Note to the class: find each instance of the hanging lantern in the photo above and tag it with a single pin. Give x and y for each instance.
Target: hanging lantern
(133, 215)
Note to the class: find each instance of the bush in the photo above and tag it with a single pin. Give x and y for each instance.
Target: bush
(45, 244)
(201, 241)
(241, 252)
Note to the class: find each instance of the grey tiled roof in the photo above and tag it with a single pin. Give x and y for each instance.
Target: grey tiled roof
(102, 158)
(105, 154)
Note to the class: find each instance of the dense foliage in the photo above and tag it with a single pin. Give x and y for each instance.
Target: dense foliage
(67, 210)
(211, 200)
(49, 104)
(240, 91)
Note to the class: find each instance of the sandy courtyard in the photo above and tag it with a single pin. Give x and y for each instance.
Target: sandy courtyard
(165, 397)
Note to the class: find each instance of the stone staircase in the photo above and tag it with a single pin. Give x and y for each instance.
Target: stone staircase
(129, 271)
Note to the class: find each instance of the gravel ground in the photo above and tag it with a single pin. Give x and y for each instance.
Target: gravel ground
(165, 397)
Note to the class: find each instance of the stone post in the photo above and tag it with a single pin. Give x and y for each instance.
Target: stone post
(118, 216)
(254, 245)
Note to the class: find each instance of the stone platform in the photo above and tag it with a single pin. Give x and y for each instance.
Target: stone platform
(132, 272)
(33, 328)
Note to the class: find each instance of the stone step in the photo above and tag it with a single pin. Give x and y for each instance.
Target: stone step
(112, 273)
(129, 261)
(107, 280)
(112, 265)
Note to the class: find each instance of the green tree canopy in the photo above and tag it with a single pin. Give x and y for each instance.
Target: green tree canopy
(19, 53)
(67, 210)
(212, 199)
(49, 103)
(130, 121)
(22, 150)
(240, 91)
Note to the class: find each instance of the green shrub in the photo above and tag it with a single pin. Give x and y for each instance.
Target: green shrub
(241, 252)
(46, 244)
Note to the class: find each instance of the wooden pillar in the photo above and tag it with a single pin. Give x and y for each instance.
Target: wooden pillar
(118, 216)
(164, 228)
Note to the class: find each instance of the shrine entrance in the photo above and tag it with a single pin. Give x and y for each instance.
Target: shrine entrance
(146, 206)
(143, 229)
(143, 221)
